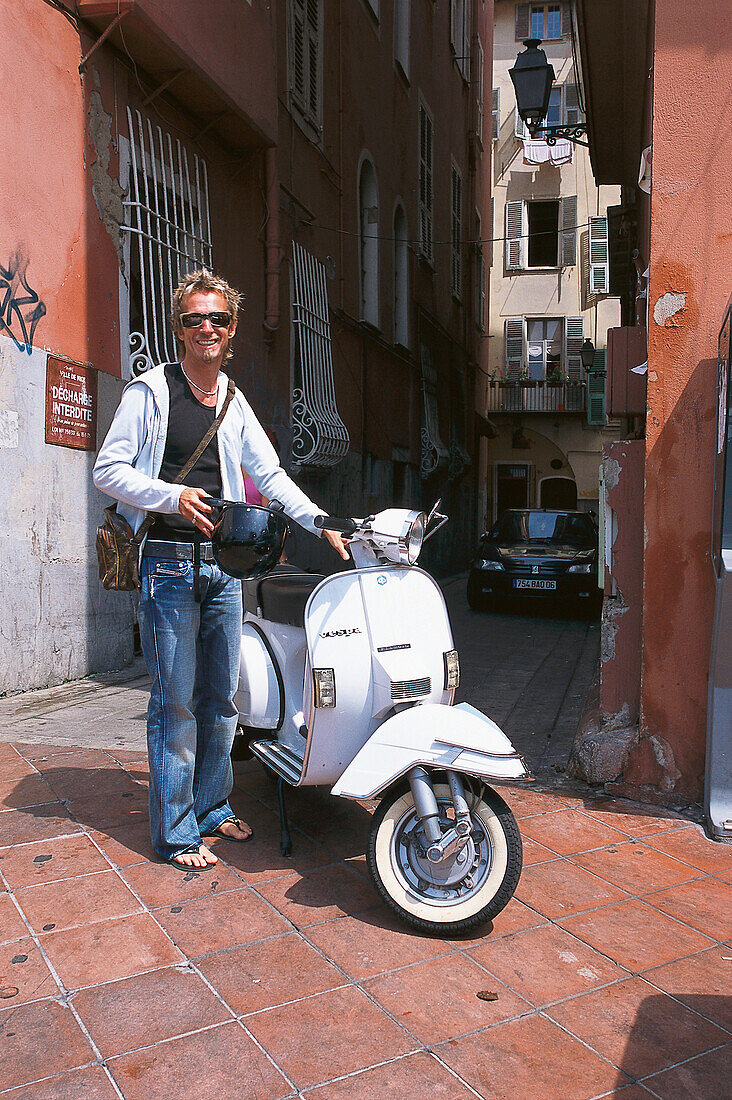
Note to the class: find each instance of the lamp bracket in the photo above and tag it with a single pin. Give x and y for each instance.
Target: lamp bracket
(552, 134)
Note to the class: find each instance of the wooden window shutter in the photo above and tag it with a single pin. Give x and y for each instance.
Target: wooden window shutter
(599, 272)
(456, 234)
(496, 113)
(514, 347)
(596, 381)
(454, 25)
(312, 35)
(493, 222)
(514, 236)
(523, 16)
(298, 61)
(520, 128)
(425, 183)
(574, 334)
(572, 111)
(568, 215)
(566, 20)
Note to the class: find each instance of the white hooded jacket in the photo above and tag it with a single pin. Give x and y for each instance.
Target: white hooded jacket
(130, 459)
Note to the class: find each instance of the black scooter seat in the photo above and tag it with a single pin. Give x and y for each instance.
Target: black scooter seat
(282, 594)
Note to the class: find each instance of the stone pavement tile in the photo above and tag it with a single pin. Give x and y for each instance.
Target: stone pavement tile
(703, 982)
(24, 974)
(161, 884)
(261, 860)
(269, 972)
(569, 831)
(107, 812)
(75, 759)
(221, 921)
(71, 782)
(635, 867)
(531, 1057)
(438, 999)
(527, 801)
(632, 818)
(320, 894)
(262, 819)
(374, 943)
(636, 1028)
(9, 755)
(560, 888)
(91, 1083)
(16, 768)
(126, 845)
(48, 860)
(221, 1062)
(414, 1077)
(635, 935)
(128, 757)
(36, 752)
(514, 918)
(328, 1035)
(140, 1011)
(693, 847)
(38, 1040)
(109, 950)
(39, 823)
(546, 964)
(24, 790)
(707, 1076)
(533, 852)
(12, 926)
(71, 902)
(705, 904)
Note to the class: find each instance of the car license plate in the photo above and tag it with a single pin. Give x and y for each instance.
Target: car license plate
(547, 586)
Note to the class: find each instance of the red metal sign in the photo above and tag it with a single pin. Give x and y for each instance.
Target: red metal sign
(71, 404)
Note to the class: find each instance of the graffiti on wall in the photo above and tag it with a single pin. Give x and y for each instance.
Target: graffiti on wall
(20, 307)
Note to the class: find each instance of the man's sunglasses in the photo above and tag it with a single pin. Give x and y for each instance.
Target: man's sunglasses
(195, 320)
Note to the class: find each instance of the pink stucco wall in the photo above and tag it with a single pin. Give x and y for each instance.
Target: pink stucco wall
(690, 282)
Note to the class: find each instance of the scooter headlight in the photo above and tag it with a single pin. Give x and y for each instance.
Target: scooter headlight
(324, 687)
(414, 539)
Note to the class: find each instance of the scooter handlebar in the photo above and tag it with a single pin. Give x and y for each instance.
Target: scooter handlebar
(333, 523)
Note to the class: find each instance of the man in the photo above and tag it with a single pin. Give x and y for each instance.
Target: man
(190, 611)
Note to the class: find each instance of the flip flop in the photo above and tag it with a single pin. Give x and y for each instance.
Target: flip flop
(239, 824)
(186, 867)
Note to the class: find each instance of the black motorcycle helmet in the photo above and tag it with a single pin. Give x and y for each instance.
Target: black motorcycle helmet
(247, 540)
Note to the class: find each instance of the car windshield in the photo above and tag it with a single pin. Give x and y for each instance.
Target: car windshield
(544, 527)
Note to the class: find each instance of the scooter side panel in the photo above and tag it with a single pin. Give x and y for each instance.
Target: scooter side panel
(437, 736)
(338, 638)
(259, 699)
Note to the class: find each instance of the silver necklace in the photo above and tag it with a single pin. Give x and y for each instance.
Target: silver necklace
(206, 393)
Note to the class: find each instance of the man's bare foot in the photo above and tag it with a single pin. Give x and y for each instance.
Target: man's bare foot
(234, 829)
(200, 859)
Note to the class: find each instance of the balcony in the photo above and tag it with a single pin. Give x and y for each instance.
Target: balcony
(536, 397)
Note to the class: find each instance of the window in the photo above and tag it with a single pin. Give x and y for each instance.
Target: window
(401, 34)
(368, 205)
(544, 21)
(460, 12)
(496, 113)
(543, 348)
(319, 436)
(596, 410)
(401, 278)
(456, 223)
(478, 83)
(480, 275)
(541, 234)
(167, 233)
(305, 61)
(426, 198)
(599, 269)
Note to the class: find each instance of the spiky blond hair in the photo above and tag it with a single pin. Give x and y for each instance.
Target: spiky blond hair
(203, 281)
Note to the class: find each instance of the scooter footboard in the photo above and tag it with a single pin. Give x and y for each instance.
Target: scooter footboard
(460, 738)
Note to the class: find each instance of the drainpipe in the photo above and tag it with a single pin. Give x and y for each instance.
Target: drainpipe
(272, 244)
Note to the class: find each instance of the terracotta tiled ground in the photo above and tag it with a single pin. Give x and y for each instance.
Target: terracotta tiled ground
(270, 978)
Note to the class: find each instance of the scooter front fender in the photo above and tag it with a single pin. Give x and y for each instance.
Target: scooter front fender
(460, 738)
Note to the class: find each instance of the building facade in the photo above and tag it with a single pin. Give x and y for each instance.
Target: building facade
(326, 158)
(548, 287)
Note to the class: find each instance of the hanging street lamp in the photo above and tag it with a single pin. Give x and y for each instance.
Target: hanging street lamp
(533, 77)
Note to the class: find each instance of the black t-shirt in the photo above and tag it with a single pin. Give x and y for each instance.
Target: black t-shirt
(188, 422)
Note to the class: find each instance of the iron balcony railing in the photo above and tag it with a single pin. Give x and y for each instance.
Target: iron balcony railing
(536, 397)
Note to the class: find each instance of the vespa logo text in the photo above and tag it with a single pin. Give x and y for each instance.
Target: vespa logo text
(344, 633)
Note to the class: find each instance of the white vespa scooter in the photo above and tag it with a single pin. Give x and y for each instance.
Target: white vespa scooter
(348, 680)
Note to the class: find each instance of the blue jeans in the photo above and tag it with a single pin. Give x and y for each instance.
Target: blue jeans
(192, 654)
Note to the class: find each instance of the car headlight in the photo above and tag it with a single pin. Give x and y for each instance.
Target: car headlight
(483, 563)
(586, 567)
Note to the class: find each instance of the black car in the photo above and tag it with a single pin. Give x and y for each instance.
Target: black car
(538, 553)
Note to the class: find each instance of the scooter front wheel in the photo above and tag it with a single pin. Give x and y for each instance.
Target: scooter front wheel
(463, 890)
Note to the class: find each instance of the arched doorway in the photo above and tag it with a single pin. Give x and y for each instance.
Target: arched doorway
(557, 492)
